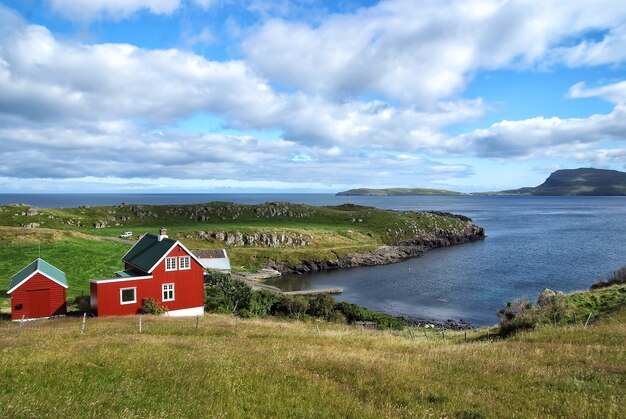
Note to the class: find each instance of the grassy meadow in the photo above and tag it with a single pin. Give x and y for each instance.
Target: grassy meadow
(230, 367)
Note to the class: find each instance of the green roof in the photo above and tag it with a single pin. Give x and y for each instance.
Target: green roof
(41, 266)
(148, 251)
(128, 273)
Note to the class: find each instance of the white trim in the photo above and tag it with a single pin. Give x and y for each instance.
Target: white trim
(107, 281)
(123, 303)
(180, 265)
(186, 312)
(33, 274)
(190, 253)
(170, 259)
(163, 257)
(163, 290)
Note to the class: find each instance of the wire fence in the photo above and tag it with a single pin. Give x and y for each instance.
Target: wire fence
(214, 325)
(220, 325)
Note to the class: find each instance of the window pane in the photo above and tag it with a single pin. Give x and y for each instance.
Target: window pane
(128, 295)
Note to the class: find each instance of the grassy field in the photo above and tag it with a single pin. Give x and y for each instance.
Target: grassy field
(268, 368)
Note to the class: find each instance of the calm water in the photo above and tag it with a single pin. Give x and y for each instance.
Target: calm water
(562, 243)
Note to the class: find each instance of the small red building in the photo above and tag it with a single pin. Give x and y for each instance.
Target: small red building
(38, 291)
(156, 267)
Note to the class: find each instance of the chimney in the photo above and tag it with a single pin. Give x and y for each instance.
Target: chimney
(162, 233)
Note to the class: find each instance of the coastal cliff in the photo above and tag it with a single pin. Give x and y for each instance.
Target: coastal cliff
(387, 254)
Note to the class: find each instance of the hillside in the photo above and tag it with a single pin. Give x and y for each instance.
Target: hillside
(582, 182)
(284, 236)
(269, 368)
(395, 192)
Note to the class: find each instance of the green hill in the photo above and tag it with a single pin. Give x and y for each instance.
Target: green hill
(396, 192)
(583, 181)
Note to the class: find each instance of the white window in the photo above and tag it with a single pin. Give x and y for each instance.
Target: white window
(184, 263)
(170, 264)
(128, 295)
(168, 292)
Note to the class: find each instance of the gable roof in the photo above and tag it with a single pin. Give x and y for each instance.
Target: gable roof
(41, 266)
(148, 251)
(210, 254)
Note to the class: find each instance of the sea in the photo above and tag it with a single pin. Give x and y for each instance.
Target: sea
(561, 243)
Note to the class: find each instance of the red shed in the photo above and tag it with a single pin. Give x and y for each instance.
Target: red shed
(156, 267)
(38, 291)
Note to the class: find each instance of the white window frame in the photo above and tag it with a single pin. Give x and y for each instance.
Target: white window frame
(171, 259)
(182, 266)
(122, 302)
(164, 289)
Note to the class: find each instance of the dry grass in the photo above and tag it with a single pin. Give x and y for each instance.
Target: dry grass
(269, 368)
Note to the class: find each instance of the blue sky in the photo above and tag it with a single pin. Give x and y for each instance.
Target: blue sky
(305, 95)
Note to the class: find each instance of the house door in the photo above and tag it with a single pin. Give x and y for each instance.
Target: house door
(38, 303)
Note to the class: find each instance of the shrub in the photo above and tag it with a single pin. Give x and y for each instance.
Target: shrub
(295, 305)
(322, 306)
(354, 313)
(517, 315)
(617, 277)
(261, 302)
(521, 314)
(150, 306)
(226, 295)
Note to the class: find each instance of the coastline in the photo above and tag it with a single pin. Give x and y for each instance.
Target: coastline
(386, 254)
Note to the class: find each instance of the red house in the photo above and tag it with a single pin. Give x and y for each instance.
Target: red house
(156, 267)
(38, 291)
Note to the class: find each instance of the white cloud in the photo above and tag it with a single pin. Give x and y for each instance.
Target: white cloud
(203, 37)
(578, 139)
(613, 92)
(88, 10)
(422, 53)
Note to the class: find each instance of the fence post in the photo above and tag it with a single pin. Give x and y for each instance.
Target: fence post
(82, 327)
(425, 335)
(197, 322)
(318, 330)
(236, 324)
(140, 324)
(588, 317)
(466, 336)
(443, 333)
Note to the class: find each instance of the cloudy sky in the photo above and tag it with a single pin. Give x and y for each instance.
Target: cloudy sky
(307, 95)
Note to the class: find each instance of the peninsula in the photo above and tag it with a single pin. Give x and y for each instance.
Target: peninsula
(284, 236)
(576, 182)
(396, 192)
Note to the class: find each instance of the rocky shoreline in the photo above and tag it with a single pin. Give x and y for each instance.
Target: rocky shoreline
(387, 254)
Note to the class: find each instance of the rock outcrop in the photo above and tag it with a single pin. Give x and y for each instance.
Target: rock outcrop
(273, 240)
(387, 254)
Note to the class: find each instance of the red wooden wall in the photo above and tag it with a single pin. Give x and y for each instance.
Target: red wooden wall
(39, 297)
(188, 287)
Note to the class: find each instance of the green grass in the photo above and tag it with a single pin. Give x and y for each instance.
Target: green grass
(602, 300)
(235, 217)
(266, 368)
(81, 257)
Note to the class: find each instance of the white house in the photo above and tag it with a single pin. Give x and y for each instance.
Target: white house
(213, 259)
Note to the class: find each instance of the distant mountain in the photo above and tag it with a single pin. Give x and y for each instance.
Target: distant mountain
(584, 181)
(396, 192)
